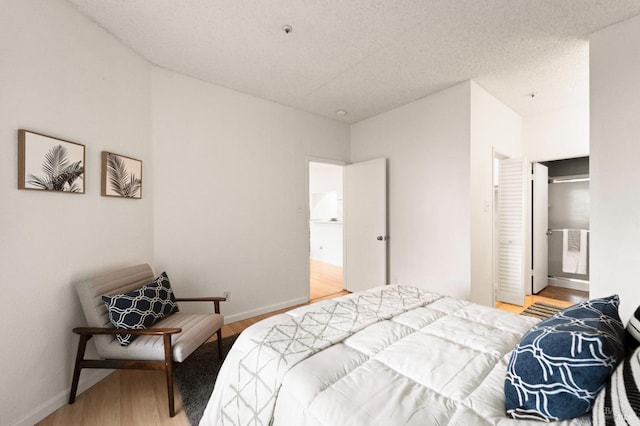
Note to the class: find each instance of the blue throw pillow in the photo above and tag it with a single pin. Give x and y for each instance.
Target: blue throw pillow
(141, 308)
(560, 365)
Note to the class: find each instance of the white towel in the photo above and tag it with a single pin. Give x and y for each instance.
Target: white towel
(574, 251)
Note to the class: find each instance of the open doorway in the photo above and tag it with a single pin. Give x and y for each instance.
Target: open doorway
(569, 220)
(326, 230)
(560, 195)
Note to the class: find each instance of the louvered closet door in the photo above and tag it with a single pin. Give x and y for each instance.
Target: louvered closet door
(512, 230)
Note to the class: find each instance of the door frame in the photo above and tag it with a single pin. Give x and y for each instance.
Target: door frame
(312, 159)
(494, 232)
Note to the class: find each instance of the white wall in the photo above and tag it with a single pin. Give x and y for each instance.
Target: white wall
(326, 177)
(557, 134)
(614, 167)
(427, 144)
(63, 76)
(494, 126)
(230, 194)
(327, 242)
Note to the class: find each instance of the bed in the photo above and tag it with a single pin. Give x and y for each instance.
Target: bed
(392, 355)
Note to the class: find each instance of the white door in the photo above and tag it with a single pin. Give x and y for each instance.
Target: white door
(540, 211)
(365, 225)
(513, 230)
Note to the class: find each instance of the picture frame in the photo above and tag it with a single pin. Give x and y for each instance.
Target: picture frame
(121, 176)
(46, 163)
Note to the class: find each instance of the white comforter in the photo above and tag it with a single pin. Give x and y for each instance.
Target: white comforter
(435, 361)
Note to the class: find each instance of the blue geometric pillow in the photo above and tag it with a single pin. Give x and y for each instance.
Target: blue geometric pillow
(141, 308)
(560, 365)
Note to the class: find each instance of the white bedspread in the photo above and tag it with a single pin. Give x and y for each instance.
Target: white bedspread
(432, 361)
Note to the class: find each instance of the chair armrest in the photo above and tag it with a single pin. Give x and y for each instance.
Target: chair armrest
(90, 331)
(216, 301)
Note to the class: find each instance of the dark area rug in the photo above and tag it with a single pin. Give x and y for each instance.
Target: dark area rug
(541, 310)
(196, 376)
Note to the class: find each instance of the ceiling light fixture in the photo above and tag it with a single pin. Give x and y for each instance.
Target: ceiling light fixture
(341, 113)
(288, 29)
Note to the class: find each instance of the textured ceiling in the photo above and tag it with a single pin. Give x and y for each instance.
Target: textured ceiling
(370, 56)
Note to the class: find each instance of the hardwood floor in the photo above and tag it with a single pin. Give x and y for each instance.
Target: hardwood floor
(131, 397)
(324, 279)
(126, 397)
(558, 296)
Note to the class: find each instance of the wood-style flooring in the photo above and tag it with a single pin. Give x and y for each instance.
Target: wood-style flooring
(131, 398)
(324, 279)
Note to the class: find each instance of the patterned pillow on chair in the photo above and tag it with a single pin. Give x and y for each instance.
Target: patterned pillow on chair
(141, 308)
(561, 364)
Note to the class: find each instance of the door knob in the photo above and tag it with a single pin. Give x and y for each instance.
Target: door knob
(382, 238)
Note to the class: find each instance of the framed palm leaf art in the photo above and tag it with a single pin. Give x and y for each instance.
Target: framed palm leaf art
(46, 163)
(121, 176)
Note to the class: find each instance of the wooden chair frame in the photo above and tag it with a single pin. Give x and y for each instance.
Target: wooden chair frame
(167, 365)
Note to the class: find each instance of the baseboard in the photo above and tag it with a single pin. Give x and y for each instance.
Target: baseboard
(264, 310)
(88, 378)
(571, 284)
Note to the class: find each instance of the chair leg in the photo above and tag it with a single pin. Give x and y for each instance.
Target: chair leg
(168, 368)
(82, 344)
(219, 334)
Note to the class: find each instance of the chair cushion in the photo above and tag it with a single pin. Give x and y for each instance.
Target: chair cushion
(142, 307)
(196, 329)
(560, 365)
